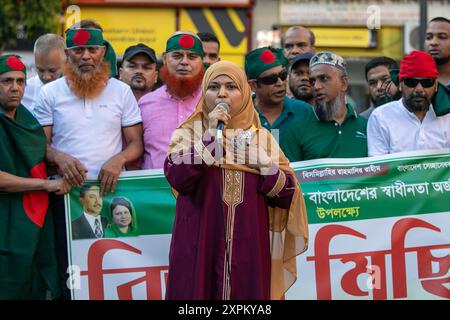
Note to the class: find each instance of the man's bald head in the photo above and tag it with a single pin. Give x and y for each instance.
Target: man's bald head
(49, 56)
(296, 40)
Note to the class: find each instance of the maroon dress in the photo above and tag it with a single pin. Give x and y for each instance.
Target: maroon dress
(199, 251)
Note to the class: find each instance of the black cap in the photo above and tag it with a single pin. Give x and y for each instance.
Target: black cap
(301, 57)
(131, 51)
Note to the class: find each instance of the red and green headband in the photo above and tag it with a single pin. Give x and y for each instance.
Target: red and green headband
(84, 37)
(185, 42)
(11, 62)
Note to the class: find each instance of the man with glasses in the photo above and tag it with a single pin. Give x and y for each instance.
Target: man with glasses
(331, 129)
(411, 122)
(266, 71)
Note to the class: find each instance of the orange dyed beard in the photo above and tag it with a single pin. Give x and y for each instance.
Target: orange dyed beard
(181, 86)
(86, 84)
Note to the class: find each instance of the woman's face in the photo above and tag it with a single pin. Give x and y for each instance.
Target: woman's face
(223, 89)
(121, 216)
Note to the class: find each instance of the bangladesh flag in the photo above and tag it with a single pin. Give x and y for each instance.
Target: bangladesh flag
(27, 254)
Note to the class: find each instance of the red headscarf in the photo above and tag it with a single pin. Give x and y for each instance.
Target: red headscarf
(418, 64)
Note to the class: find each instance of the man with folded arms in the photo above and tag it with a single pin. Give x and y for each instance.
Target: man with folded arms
(410, 123)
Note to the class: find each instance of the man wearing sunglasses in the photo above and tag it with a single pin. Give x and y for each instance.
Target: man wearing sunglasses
(411, 122)
(266, 69)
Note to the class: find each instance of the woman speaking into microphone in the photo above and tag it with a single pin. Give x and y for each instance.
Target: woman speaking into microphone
(240, 215)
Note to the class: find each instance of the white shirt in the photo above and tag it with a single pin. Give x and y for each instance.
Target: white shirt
(392, 128)
(87, 129)
(91, 219)
(31, 93)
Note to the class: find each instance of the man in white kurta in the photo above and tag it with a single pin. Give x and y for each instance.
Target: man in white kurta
(410, 123)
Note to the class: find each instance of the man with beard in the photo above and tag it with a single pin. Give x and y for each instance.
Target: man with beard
(437, 43)
(86, 115)
(266, 72)
(331, 129)
(49, 58)
(167, 107)
(299, 83)
(411, 122)
(139, 69)
(381, 88)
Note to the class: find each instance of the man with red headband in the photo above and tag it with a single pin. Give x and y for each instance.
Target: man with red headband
(410, 123)
(27, 256)
(167, 107)
(87, 116)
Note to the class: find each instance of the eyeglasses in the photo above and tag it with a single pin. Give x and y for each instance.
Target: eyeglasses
(273, 78)
(412, 82)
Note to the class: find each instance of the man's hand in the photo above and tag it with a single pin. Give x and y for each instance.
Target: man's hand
(59, 186)
(70, 168)
(109, 173)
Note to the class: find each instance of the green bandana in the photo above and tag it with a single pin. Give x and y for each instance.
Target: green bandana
(92, 37)
(185, 42)
(262, 59)
(110, 57)
(83, 38)
(441, 100)
(11, 62)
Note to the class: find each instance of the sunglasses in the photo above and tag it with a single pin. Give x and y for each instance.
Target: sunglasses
(412, 82)
(273, 78)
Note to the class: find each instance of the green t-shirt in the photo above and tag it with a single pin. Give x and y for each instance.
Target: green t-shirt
(308, 138)
(292, 109)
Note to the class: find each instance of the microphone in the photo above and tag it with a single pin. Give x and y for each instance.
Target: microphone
(220, 123)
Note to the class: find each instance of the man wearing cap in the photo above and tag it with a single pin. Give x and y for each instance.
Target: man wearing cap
(299, 84)
(165, 108)
(331, 129)
(27, 256)
(85, 115)
(266, 72)
(49, 58)
(411, 122)
(139, 69)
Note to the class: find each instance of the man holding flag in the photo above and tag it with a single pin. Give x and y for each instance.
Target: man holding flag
(27, 253)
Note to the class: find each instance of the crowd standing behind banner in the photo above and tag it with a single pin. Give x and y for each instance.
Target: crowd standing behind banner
(95, 127)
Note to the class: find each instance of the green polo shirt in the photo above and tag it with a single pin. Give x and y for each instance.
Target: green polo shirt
(308, 138)
(292, 109)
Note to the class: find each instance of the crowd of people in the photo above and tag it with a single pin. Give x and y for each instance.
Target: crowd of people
(240, 216)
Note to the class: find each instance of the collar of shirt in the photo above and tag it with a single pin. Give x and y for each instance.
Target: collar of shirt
(91, 219)
(285, 113)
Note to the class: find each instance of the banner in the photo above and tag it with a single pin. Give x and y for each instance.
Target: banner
(379, 229)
